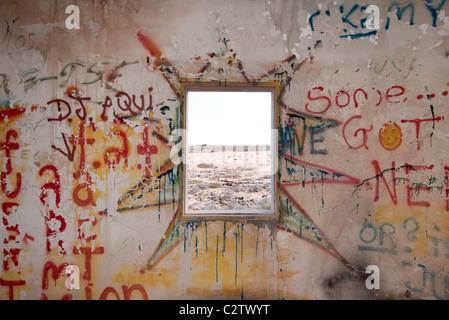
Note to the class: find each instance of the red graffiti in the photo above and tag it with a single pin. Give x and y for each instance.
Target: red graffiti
(109, 159)
(149, 44)
(81, 112)
(52, 217)
(146, 149)
(127, 291)
(51, 232)
(11, 113)
(67, 296)
(356, 133)
(11, 284)
(409, 185)
(389, 136)
(65, 110)
(318, 102)
(56, 272)
(126, 105)
(398, 94)
(55, 185)
(9, 146)
(13, 233)
(380, 174)
(70, 154)
(27, 237)
(62, 105)
(11, 254)
(7, 207)
(11, 193)
(89, 221)
(321, 109)
(130, 102)
(87, 275)
(11, 243)
(356, 103)
(81, 141)
(348, 98)
(446, 177)
(83, 194)
(88, 252)
(108, 290)
(417, 123)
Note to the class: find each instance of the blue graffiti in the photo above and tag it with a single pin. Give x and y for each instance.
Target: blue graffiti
(293, 132)
(400, 10)
(352, 23)
(434, 11)
(345, 19)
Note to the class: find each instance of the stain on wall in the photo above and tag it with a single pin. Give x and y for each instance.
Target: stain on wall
(91, 126)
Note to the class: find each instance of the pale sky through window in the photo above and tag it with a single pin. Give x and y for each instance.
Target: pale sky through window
(229, 118)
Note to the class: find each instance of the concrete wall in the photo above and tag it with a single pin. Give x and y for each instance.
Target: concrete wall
(86, 177)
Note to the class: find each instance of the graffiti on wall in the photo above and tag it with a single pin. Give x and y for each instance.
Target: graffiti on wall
(354, 18)
(130, 137)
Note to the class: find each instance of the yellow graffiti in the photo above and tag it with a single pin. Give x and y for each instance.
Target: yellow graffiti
(390, 136)
(416, 229)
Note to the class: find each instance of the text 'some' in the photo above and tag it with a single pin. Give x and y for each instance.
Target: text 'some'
(230, 160)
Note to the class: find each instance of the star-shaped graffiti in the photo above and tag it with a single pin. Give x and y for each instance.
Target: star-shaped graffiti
(292, 217)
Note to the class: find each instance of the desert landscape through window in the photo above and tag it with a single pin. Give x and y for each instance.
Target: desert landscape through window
(229, 178)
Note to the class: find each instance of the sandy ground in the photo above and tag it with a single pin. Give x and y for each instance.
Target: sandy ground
(229, 178)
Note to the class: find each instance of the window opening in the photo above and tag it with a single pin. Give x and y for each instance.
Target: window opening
(230, 151)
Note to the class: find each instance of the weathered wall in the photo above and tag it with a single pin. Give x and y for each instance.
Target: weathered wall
(86, 176)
